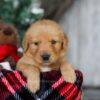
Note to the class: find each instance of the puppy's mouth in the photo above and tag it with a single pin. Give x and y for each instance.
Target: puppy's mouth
(43, 63)
(46, 62)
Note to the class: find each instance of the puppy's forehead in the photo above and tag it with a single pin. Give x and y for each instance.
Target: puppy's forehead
(45, 26)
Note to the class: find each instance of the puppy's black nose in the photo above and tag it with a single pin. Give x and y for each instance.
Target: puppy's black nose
(45, 57)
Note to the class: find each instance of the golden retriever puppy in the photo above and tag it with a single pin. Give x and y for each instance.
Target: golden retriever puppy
(44, 46)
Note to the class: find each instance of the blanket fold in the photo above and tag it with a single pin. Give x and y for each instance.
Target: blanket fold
(13, 86)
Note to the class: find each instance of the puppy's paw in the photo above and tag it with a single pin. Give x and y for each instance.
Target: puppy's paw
(68, 72)
(69, 77)
(33, 85)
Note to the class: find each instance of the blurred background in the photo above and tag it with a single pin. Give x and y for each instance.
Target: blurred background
(81, 21)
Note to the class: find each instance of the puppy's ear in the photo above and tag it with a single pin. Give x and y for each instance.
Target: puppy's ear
(25, 43)
(65, 42)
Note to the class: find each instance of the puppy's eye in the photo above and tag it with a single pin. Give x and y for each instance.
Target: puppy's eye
(53, 42)
(36, 43)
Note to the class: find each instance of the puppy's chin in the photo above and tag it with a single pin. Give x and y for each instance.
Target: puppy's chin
(45, 63)
(42, 63)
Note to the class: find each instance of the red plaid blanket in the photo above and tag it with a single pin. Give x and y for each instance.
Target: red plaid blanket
(53, 87)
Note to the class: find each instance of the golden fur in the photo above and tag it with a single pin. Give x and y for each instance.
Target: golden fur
(44, 36)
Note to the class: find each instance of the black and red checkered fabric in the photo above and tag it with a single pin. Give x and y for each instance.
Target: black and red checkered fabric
(53, 87)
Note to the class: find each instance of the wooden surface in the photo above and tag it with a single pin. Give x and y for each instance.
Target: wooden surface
(82, 24)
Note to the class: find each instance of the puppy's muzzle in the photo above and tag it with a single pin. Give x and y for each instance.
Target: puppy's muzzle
(45, 57)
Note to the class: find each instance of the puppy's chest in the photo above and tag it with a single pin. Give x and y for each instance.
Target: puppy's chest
(45, 69)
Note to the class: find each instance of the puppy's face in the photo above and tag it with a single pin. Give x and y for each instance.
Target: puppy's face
(46, 42)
